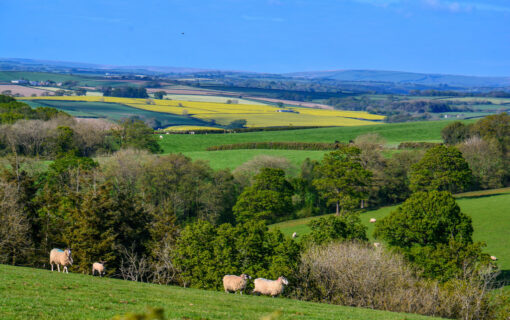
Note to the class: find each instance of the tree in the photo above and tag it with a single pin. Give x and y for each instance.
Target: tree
(236, 124)
(269, 198)
(342, 180)
(335, 228)
(441, 168)
(455, 133)
(159, 94)
(485, 161)
(428, 225)
(134, 133)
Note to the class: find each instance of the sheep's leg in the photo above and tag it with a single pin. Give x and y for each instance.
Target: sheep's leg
(52, 267)
(58, 267)
(65, 269)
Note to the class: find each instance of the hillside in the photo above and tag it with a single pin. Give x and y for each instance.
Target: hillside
(488, 209)
(40, 294)
(405, 77)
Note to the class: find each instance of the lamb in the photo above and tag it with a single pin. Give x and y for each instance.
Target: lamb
(60, 257)
(373, 220)
(235, 283)
(270, 287)
(294, 235)
(377, 244)
(494, 258)
(99, 267)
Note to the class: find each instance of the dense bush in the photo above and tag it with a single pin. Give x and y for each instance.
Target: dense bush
(126, 92)
(359, 275)
(417, 145)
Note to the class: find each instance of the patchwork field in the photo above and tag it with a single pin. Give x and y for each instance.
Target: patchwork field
(41, 294)
(255, 115)
(488, 209)
(114, 111)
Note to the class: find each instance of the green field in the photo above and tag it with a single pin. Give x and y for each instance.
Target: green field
(113, 111)
(27, 293)
(394, 133)
(488, 209)
(233, 158)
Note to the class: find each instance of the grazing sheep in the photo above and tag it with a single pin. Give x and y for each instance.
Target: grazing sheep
(235, 283)
(294, 235)
(160, 136)
(59, 257)
(493, 258)
(99, 267)
(270, 287)
(373, 220)
(377, 244)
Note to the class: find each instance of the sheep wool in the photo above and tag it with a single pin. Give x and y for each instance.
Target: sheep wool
(235, 283)
(270, 287)
(61, 258)
(99, 267)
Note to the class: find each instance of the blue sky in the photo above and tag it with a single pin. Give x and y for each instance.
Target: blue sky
(434, 36)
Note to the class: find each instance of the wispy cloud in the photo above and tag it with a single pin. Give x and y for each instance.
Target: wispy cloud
(258, 18)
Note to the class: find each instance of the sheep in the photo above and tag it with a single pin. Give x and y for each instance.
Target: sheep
(59, 257)
(270, 287)
(373, 220)
(99, 267)
(160, 136)
(294, 235)
(493, 258)
(235, 283)
(377, 244)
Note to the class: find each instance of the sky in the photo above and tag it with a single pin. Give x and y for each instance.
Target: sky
(277, 36)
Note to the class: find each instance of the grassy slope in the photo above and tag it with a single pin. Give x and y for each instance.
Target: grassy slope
(488, 209)
(40, 294)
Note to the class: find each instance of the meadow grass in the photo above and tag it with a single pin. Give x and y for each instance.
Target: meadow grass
(488, 209)
(27, 293)
(231, 159)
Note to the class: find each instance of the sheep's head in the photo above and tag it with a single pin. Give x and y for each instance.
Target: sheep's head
(68, 254)
(244, 276)
(283, 280)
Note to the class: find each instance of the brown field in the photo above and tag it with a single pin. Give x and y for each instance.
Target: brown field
(22, 90)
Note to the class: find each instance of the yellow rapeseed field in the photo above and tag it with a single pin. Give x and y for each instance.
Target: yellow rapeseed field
(255, 115)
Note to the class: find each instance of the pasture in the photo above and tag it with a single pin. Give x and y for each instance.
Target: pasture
(488, 209)
(40, 294)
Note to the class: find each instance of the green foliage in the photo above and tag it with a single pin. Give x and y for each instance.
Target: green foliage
(455, 133)
(236, 124)
(205, 253)
(268, 199)
(441, 168)
(342, 180)
(134, 133)
(430, 229)
(126, 92)
(12, 111)
(159, 94)
(334, 228)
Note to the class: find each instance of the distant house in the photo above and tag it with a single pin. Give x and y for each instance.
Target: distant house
(287, 110)
(34, 83)
(19, 81)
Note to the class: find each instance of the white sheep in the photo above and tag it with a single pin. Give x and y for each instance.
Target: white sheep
(61, 257)
(373, 220)
(160, 136)
(270, 287)
(294, 235)
(494, 258)
(377, 244)
(235, 283)
(99, 267)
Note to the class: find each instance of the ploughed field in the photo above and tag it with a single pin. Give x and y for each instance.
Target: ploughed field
(27, 293)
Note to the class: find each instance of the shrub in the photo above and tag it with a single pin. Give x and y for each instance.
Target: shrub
(356, 274)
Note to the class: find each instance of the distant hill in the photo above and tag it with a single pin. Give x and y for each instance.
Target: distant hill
(405, 78)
